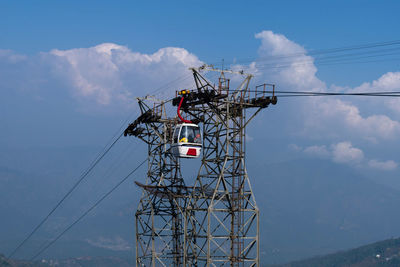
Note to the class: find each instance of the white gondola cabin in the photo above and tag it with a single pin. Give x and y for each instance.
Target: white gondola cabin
(186, 141)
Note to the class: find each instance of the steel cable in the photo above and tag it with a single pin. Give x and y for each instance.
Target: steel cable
(83, 176)
(93, 164)
(88, 210)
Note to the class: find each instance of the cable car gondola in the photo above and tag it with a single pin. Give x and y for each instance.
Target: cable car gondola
(186, 141)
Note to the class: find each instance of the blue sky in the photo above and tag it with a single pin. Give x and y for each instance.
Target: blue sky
(76, 61)
(210, 29)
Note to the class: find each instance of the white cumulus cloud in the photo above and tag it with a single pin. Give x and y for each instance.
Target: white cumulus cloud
(284, 60)
(113, 73)
(344, 152)
(382, 165)
(347, 116)
(388, 82)
(287, 64)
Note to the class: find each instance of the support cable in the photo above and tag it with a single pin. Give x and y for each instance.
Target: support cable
(311, 93)
(317, 52)
(83, 176)
(100, 156)
(88, 210)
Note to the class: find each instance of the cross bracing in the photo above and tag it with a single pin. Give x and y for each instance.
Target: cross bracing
(215, 221)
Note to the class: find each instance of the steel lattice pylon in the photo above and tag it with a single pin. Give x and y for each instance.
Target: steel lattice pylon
(215, 222)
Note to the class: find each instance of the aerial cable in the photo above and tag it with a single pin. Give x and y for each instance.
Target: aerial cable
(379, 52)
(356, 47)
(311, 93)
(324, 61)
(83, 176)
(88, 210)
(97, 159)
(113, 166)
(169, 84)
(318, 52)
(183, 77)
(356, 62)
(351, 56)
(69, 192)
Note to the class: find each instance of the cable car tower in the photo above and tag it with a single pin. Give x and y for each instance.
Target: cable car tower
(215, 221)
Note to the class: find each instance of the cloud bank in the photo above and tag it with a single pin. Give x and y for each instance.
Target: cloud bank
(330, 120)
(323, 116)
(109, 76)
(345, 153)
(110, 72)
(104, 75)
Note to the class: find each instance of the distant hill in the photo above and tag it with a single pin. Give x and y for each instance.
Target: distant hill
(73, 262)
(383, 253)
(308, 207)
(311, 208)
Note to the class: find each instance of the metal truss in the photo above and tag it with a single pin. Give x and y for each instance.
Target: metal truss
(159, 229)
(215, 222)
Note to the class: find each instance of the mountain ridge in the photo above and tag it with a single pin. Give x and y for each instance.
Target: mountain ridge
(382, 253)
(307, 208)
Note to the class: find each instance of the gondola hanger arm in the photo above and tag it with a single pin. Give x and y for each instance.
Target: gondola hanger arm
(179, 112)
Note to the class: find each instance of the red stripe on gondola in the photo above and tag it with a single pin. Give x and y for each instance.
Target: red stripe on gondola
(191, 152)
